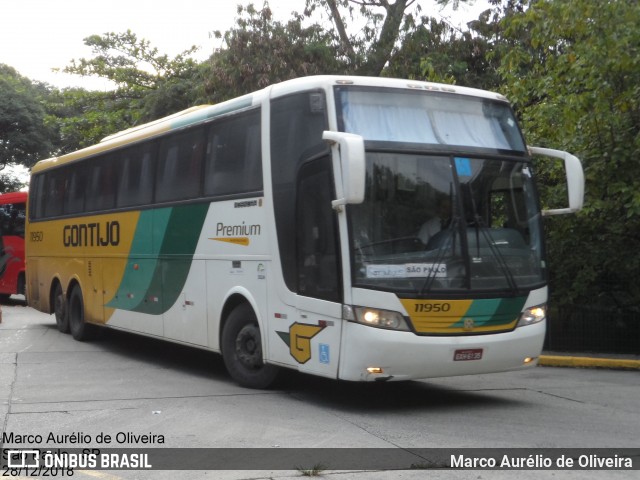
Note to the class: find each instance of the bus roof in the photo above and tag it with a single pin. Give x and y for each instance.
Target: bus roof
(13, 197)
(325, 81)
(204, 112)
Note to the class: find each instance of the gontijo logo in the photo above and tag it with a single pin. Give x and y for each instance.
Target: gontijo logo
(91, 234)
(298, 339)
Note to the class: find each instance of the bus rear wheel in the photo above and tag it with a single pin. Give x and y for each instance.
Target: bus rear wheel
(60, 309)
(80, 330)
(242, 350)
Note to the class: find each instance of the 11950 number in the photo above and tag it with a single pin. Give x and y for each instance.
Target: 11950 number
(432, 307)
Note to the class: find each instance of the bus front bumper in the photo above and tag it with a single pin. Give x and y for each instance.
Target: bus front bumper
(372, 354)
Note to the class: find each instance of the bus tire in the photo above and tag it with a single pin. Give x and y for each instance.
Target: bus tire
(242, 350)
(80, 330)
(21, 290)
(60, 309)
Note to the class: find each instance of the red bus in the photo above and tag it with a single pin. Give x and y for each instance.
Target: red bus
(12, 216)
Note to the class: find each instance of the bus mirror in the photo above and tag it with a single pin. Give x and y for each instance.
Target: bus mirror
(574, 175)
(349, 166)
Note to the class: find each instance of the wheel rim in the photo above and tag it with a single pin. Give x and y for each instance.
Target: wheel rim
(248, 347)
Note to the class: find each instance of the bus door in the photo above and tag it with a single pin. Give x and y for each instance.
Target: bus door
(315, 335)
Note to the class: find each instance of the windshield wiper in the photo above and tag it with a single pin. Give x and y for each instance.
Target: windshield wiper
(440, 253)
(481, 226)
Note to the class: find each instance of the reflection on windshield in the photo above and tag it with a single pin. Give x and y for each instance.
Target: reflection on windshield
(435, 223)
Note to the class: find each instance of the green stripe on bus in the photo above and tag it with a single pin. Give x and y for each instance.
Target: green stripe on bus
(213, 112)
(161, 278)
(492, 312)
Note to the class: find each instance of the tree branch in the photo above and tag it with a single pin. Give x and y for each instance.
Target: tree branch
(382, 48)
(342, 31)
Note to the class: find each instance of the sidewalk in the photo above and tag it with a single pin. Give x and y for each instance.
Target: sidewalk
(590, 360)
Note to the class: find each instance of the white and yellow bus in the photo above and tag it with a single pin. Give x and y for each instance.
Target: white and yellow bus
(354, 228)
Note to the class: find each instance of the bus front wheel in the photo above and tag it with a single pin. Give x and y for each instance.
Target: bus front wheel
(60, 309)
(242, 350)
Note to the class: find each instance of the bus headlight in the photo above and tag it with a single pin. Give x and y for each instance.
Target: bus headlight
(380, 318)
(533, 315)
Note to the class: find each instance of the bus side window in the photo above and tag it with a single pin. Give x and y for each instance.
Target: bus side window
(75, 194)
(18, 216)
(136, 182)
(179, 166)
(36, 190)
(233, 161)
(54, 188)
(297, 123)
(103, 180)
(318, 259)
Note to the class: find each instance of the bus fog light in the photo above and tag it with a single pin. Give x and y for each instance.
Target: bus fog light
(375, 370)
(380, 318)
(533, 315)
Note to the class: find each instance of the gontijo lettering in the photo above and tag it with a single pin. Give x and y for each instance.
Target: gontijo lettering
(91, 235)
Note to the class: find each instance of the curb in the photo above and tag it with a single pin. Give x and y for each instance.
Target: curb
(587, 362)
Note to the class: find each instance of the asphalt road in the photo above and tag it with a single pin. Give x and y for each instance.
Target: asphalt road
(144, 393)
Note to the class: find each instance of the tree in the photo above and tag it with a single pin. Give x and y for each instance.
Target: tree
(367, 51)
(260, 51)
(24, 137)
(82, 118)
(437, 52)
(148, 84)
(574, 74)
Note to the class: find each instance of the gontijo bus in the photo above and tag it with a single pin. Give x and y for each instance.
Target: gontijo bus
(354, 228)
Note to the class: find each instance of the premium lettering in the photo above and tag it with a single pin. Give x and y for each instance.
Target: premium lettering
(242, 230)
(91, 235)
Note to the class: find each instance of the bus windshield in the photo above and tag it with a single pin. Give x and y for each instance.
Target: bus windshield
(444, 223)
(394, 115)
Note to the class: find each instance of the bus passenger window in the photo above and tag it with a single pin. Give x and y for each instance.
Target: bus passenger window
(179, 166)
(36, 190)
(234, 161)
(54, 192)
(136, 182)
(74, 196)
(102, 185)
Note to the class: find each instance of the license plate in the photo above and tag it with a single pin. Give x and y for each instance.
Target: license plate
(468, 354)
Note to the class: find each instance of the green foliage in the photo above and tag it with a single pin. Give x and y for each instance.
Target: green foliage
(382, 26)
(148, 84)
(82, 118)
(260, 51)
(24, 137)
(437, 52)
(314, 471)
(131, 63)
(10, 183)
(573, 71)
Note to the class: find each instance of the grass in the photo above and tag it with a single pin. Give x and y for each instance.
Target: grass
(314, 471)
